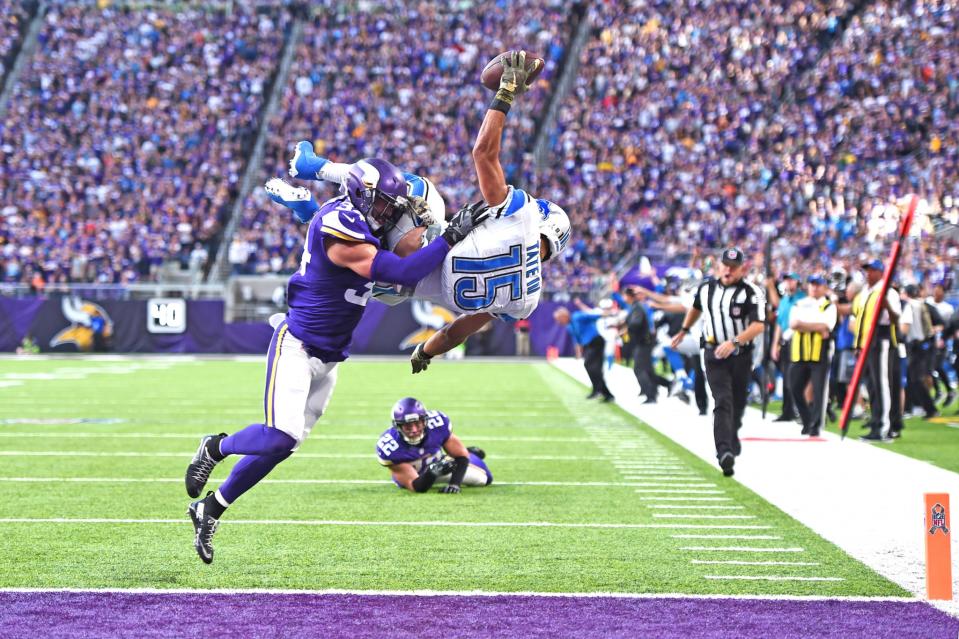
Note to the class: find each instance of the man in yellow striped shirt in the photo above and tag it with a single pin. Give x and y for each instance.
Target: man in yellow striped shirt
(812, 320)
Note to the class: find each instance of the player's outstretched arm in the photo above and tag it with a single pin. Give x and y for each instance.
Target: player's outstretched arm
(367, 261)
(447, 338)
(489, 171)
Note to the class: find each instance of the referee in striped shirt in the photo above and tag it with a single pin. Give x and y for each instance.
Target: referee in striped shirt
(734, 313)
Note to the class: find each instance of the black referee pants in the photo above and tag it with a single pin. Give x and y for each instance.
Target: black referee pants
(593, 356)
(800, 374)
(785, 364)
(884, 381)
(729, 382)
(917, 370)
(643, 370)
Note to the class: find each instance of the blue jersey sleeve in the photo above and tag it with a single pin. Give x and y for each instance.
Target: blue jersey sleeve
(340, 220)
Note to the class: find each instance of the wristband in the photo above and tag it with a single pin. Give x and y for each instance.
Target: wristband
(499, 105)
(684, 329)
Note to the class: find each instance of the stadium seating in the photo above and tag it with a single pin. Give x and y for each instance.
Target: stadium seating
(125, 138)
(419, 106)
(689, 124)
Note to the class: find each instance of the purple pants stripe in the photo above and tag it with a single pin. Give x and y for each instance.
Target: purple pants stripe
(272, 356)
(83, 615)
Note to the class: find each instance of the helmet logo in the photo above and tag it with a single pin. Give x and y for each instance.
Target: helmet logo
(543, 208)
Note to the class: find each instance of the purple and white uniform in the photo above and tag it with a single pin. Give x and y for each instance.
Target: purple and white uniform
(392, 449)
(326, 303)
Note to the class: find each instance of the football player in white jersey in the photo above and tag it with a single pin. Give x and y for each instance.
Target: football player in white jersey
(497, 271)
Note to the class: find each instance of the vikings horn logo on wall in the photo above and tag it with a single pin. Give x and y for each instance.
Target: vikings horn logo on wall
(90, 330)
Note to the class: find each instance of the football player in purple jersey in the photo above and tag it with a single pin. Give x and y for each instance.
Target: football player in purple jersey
(341, 259)
(421, 449)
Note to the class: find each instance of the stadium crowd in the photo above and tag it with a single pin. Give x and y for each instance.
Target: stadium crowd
(14, 18)
(689, 124)
(125, 138)
(419, 106)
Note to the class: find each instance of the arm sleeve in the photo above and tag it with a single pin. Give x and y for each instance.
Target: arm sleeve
(619, 299)
(459, 470)
(334, 172)
(697, 298)
(388, 267)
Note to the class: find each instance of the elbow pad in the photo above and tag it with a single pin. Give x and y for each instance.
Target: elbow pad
(408, 271)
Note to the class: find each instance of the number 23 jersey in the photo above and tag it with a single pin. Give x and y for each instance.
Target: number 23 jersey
(496, 268)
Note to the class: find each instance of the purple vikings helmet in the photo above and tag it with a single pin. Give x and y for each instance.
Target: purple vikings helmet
(377, 189)
(409, 418)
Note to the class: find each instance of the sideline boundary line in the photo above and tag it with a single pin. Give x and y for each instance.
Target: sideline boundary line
(458, 593)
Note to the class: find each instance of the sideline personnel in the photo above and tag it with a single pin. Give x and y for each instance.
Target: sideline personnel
(734, 312)
(812, 320)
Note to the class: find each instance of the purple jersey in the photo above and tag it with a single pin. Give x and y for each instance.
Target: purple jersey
(327, 301)
(393, 449)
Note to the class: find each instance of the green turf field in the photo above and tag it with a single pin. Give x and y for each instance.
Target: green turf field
(565, 513)
(935, 441)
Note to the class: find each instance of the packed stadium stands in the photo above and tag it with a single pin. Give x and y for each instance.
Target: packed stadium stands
(689, 124)
(419, 106)
(125, 138)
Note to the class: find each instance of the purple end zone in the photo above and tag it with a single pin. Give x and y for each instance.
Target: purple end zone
(100, 614)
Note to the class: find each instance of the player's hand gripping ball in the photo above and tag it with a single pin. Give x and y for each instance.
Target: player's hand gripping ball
(515, 62)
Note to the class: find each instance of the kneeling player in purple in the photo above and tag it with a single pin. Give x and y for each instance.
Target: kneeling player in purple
(420, 449)
(341, 259)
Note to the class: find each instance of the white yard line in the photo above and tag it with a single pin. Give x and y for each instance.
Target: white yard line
(697, 499)
(378, 482)
(694, 516)
(313, 437)
(457, 593)
(738, 549)
(888, 532)
(769, 578)
(704, 507)
(736, 562)
(768, 537)
(334, 522)
(685, 491)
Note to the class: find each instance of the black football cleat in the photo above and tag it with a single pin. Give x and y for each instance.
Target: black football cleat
(198, 472)
(476, 450)
(726, 462)
(205, 527)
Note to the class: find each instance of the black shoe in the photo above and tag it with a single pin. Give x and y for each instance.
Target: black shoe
(931, 414)
(784, 418)
(702, 412)
(198, 472)
(205, 527)
(804, 431)
(814, 432)
(831, 414)
(593, 395)
(726, 462)
(737, 448)
(682, 396)
(476, 450)
(608, 398)
(895, 434)
(649, 401)
(876, 437)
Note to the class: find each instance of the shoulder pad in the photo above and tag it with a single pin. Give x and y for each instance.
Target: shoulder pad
(345, 224)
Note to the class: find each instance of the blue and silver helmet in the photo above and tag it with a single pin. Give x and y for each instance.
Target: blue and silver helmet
(409, 418)
(554, 226)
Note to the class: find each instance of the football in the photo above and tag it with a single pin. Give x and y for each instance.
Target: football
(494, 70)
